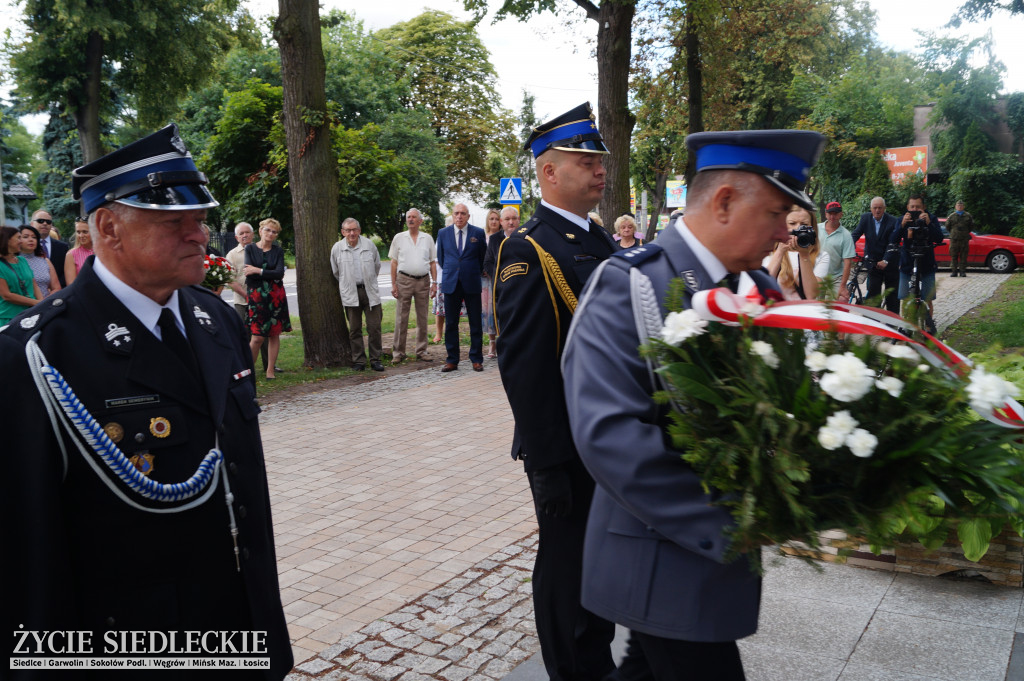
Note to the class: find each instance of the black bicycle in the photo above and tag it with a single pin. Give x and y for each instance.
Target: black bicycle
(916, 307)
(857, 285)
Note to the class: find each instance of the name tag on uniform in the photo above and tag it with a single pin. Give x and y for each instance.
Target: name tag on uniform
(513, 270)
(131, 401)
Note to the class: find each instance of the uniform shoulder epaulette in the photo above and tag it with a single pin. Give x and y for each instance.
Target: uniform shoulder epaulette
(525, 230)
(35, 318)
(635, 256)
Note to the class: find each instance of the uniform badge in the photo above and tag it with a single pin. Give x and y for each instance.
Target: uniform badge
(513, 270)
(143, 462)
(178, 144)
(117, 335)
(114, 430)
(29, 322)
(159, 427)
(570, 236)
(521, 230)
(202, 316)
(690, 279)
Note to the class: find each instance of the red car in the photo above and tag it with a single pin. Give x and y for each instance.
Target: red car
(1001, 254)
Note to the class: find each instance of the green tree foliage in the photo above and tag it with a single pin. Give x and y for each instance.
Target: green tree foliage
(76, 53)
(63, 154)
(979, 10)
(451, 76)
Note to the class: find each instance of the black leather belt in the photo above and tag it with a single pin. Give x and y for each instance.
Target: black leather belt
(413, 276)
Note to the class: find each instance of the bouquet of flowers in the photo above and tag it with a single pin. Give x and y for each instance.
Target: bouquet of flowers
(218, 272)
(803, 417)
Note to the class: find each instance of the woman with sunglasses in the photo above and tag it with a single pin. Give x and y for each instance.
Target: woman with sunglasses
(18, 290)
(43, 271)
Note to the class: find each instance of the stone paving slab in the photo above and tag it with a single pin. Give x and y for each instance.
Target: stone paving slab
(385, 491)
(956, 296)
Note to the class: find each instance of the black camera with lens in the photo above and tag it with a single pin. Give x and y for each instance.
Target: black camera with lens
(805, 236)
(918, 237)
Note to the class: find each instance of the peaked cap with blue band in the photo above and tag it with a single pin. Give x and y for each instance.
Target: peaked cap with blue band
(155, 173)
(575, 130)
(782, 157)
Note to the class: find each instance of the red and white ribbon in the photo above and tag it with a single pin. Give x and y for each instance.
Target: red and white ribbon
(724, 306)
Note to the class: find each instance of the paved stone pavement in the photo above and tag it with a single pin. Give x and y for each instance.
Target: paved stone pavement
(406, 539)
(955, 296)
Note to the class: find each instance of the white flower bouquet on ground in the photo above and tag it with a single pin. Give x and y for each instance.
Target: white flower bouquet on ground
(853, 427)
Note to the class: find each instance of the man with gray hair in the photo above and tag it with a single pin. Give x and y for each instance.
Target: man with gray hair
(413, 275)
(356, 263)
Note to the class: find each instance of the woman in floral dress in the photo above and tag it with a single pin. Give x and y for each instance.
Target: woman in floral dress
(268, 303)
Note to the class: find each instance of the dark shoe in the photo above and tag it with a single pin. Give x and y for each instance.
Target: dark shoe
(376, 365)
(952, 274)
(424, 358)
(477, 366)
(358, 367)
(963, 274)
(448, 366)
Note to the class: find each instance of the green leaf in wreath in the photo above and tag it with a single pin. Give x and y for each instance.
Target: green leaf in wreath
(975, 535)
(692, 382)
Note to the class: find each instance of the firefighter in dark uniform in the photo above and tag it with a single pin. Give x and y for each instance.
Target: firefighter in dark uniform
(540, 272)
(133, 492)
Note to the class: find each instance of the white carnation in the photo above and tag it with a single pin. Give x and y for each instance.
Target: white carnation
(682, 325)
(901, 352)
(988, 391)
(816, 361)
(861, 443)
(924, 368)
(751, 308)
(891, 385)
(847, 379)
(830, 438)
(841, 422)
(765, 352)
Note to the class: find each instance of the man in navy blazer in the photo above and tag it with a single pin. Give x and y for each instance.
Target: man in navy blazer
(878, 228)
(460, 253)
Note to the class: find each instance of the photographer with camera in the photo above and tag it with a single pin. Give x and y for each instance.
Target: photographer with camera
(799, 264)
(919, 234)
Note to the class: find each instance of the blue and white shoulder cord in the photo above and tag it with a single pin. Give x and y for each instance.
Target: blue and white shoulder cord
(59, 399)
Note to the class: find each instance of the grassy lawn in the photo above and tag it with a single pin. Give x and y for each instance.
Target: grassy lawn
(993, 333)
(291, 358)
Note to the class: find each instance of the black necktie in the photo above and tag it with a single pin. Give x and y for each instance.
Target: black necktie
(730, 281)
(175, 340)
(460, 242)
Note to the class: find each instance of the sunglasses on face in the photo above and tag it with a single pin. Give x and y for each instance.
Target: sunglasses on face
(43, 221)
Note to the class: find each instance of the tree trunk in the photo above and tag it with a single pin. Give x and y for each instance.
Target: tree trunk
(695, 78)
(87, 113)
(616, 121)
(660, 179)
(313, 178)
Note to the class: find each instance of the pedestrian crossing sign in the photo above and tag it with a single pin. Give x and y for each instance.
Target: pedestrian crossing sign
(510, 190)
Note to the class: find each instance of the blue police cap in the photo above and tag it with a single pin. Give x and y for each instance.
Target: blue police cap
(783, 157)
(575, 130)
(155, 173)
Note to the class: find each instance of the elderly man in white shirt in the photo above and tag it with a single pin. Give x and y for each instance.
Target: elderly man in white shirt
(413, 275)
(356, 263)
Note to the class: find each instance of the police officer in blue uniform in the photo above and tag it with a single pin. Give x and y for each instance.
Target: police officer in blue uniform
(655, 543)
(99, 535)
(540, 272)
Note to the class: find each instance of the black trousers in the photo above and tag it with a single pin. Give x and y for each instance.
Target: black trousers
(574, 642)
(452, 310)
(889, 278)
(653, 658)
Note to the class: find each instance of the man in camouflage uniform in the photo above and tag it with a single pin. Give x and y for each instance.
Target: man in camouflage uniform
(960, 225)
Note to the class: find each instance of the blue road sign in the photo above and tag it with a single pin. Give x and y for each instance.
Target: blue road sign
(510, 190)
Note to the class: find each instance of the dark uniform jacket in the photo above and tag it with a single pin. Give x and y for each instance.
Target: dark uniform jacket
(532, 315)
(59, 251)
(653, 558)
(79, 558)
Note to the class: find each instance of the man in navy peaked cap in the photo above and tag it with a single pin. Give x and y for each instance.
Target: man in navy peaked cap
(540, 272)
(144, 511)
(655, 543)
